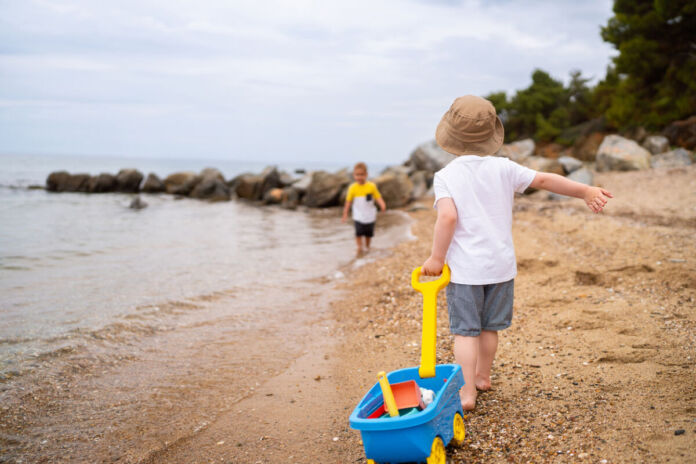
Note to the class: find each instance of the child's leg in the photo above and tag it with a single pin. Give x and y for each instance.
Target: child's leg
(466, 353)
(358, 242)
(488, 344)
(367, 242)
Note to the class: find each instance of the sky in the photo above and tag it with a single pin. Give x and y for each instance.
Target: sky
(272, 81)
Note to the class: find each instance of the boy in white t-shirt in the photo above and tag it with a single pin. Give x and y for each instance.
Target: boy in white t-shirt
(361, 199)
(473, 232)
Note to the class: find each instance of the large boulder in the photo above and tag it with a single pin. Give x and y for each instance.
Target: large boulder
(517, 151)
(273, 197)
(102, 183)
(181, 183)
(544, 165)
(429, 156)
(128, 180)
(586, 146)
(286, 179)
(570, 164)
(291, 198)
(656, 144)
(247, 186)
(617, 153)
(153, 184)
(62, 181)
(302, 184)
(212, 173)
(682, 133)
(325, 189)
(672, 159)
(420, 182)
(395, 187)
(211, 188)
(270, 179)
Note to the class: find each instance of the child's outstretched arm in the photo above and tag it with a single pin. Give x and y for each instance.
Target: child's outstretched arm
(442, 236)
(594, 197)
(382, 205)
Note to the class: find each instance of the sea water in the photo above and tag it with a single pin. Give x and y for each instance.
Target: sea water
(101, 304)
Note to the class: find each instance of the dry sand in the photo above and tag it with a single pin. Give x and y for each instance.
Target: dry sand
(598, 365)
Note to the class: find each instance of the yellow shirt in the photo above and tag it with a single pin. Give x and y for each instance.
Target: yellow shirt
(363, 198)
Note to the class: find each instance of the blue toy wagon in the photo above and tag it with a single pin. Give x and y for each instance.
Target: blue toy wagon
(418, 436)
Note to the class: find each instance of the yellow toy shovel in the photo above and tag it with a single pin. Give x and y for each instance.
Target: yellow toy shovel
(429, 291)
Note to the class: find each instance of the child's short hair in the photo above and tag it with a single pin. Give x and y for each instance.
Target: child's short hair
(362, 166)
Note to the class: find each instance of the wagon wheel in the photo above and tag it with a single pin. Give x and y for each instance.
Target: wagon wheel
(438, 455)
(459, 430)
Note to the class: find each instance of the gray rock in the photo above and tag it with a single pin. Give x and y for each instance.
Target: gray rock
(62, 181)
(582, 175)
(395, 188)
(128, 180)
(544, 165)
(420, 184)
(211, 188)
(682, 133)
(672, 159)
(656, 144)
(325, 189)
(273, 197)
(247, 186)
(429, 156)
(398, 169)
(518, 151)
(270, 179)
(137, 203)
(211, 173)
(291, 198)
(617, 153)
(153, 184)
(302, 184)
(570, 164)
(102, 183)
(181, 183)
(286, 179)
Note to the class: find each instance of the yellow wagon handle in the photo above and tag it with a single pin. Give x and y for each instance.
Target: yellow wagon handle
(429, 291)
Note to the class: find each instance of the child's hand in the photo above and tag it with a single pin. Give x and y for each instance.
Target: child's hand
(344, 218)
(432, 267)
(596, 198)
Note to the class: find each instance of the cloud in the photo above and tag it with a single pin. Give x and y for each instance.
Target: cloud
(252, 68)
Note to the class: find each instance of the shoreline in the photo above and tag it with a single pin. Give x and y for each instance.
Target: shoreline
(598, 364)
(586, 373)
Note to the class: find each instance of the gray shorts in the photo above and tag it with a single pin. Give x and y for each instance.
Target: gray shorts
(473, 308)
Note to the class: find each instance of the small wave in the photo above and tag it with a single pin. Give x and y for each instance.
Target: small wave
(14, 268)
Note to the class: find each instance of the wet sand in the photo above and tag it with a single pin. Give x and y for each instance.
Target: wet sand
(598, 365)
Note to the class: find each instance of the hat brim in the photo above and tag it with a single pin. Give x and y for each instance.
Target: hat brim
(446, 137)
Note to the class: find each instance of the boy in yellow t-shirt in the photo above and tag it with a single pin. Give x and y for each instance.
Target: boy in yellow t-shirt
(362, 196)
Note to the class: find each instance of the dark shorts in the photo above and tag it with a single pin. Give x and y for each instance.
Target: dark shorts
(364, 230)
(473, 308)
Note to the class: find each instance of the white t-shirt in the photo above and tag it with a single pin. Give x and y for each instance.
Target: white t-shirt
(483, 190)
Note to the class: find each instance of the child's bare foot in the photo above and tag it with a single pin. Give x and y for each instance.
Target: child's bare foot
(468, 400)
(483, 384)
(359, 253)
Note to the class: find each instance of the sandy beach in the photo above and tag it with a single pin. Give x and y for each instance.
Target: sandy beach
(597, 367)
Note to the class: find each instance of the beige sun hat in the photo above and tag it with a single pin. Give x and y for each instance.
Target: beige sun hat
(470, 127)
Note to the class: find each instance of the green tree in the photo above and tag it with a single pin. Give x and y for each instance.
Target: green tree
(653, 82)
